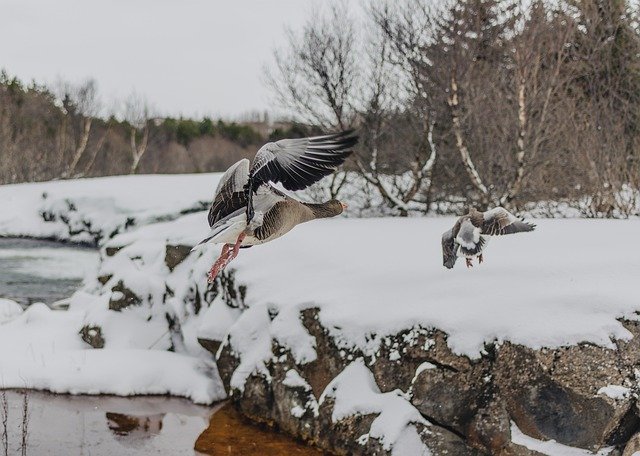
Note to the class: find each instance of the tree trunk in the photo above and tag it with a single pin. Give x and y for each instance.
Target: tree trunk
(462, 148)
(81, 147)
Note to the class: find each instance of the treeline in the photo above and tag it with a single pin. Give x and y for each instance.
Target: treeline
(53, 133)
(480, 102)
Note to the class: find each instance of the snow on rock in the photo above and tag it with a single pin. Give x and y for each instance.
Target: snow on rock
(355, 392)
(551, 447)
(9, 310)
(90, 210)
(615, 391)
(539, 289)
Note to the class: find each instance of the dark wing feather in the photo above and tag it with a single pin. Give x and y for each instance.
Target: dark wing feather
(230, 195)
(449, 249)
(298, 163)
(499, 221)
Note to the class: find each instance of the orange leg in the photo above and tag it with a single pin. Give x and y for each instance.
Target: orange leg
(229, 252)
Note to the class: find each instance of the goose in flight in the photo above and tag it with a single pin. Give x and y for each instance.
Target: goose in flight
(248, 210)
(469, 236)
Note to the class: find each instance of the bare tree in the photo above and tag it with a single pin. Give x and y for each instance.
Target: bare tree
(395, 91)
(81, 105)
(316, 77)
(137, 114)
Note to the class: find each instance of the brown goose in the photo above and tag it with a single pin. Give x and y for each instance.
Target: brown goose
(469, 236)
(247, 210)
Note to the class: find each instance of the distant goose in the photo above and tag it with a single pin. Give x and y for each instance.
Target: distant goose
(247, 210)
(468, 237)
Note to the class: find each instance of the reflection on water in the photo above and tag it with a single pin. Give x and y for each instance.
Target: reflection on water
(64, 425)
(229, 434)
(42, 271)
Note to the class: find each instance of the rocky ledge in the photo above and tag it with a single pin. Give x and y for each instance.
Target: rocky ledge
(581, 396)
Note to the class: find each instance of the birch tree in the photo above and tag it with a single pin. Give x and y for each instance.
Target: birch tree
(81, 105)
(137, 114)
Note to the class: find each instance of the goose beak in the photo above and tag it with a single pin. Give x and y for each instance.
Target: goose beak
(344, 206)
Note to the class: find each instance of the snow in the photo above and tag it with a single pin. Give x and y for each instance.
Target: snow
(41, 349)
(355, 392)
(570, 281)
(567, 282)
(617, 392)
(293, 379)
(100, 205)
(9, 310)
(551, 447)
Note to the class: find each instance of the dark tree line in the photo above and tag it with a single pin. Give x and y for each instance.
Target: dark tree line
(57, 133)
(480, 102)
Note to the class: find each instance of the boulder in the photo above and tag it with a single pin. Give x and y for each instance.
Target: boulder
(92, 335)
(550, 395)
(122, 297)
(175, 254)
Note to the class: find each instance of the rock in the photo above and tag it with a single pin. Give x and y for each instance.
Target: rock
(470, 404)
(329, 362)
(256, 401)
(448, 396)
(175, 254)
(445, 442)
(546, 404)
(633, 446)
(401, 354)
(103, 279)
(122, 297)
(211, 346)
(227, 362)
(92, 335)
(112, 250)
(295, 407)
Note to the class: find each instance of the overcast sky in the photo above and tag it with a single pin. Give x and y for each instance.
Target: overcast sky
(191, 57)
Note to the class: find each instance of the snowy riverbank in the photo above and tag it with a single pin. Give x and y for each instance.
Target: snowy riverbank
(346, 332)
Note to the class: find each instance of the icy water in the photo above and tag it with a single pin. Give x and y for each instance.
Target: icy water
(63, 425)
(42, 271)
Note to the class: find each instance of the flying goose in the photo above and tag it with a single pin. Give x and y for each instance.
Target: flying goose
(469, 236)
(248, 210)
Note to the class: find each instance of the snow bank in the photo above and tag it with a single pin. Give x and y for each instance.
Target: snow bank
(41, 349)
(567, 282)
(88, 210)
(9, 310)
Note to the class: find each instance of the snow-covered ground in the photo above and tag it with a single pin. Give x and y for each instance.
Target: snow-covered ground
(567, 282)
(86, 210)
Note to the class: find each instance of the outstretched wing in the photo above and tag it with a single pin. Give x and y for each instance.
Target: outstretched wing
(298, 163)
(498, 221)
(449, 249)
(230, 194)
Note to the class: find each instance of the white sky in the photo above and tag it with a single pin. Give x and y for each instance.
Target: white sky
(191, 57)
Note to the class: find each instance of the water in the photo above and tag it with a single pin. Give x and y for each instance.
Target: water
(42, 271)
(63, 425)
